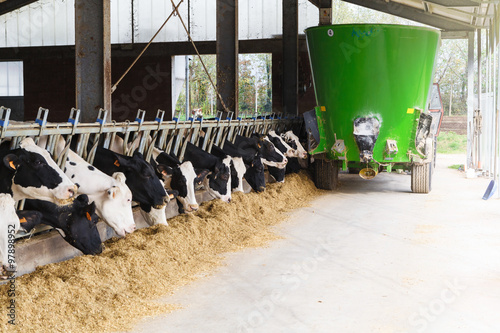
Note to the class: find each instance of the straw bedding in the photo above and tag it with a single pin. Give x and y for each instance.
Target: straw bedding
(111, 291)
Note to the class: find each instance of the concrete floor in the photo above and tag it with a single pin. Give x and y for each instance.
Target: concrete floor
(371, 257)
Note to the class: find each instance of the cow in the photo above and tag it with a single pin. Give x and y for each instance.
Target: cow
(152, 215)
(281, 145)
(238, 168)
(111, 195)
(9, 225)
(147, 190)
(270, 155)
(76, 222)
(294, 142)
(180, 177)
(217, 183)
(254, 174)
(30, 172)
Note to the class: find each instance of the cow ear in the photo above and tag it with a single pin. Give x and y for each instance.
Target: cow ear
(120, 161)
(11, 161)
(120, 176)
(138, 155)
(165, 170)
(200, 175)
(29, 219)
(89, 211)
(112, 192)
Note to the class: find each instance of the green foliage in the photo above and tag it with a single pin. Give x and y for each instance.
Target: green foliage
(451, 143)
(456, 167)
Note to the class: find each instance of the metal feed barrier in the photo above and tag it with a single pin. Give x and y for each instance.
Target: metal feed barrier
(166, 135)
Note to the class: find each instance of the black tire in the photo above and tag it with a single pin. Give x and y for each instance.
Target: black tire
(326, 174)
(421, 178)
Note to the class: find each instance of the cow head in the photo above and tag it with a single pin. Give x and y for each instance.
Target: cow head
(218, 183)
(81, 226)
(142, 181)
(281, 145)
(255, 174)
(183, 179)
(270, 155)
(293, 141)
(36, 175)
(114, 205)
(76, 222)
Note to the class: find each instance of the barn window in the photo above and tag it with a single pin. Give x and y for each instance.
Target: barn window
(11, 78)
(12, 88)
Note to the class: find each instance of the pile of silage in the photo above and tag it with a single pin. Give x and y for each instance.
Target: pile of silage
(111, 291)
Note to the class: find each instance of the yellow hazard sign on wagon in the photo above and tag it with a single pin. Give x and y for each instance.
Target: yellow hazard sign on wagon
(410, 110)
(323, 108)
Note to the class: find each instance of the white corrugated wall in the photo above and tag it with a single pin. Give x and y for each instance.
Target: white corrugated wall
(51, 22)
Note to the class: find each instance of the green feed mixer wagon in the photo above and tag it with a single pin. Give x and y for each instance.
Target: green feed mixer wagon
(371, 83)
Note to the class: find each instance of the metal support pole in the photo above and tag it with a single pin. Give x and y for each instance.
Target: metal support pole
(227, 55)
(188, 94)
(92, 57)
(470, 99)
(479, 90)
(290, 57)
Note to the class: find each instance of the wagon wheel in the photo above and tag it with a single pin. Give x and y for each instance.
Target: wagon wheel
(326, 174)
(421, 177)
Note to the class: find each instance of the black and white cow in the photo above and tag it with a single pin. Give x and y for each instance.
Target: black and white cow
(180, 177)
(281, 145)
(111, 195)
(254, 174)
(76, 222)
(238, 168)
(294, 142)
(217, 183)
(147, 190)
(9, 225)
(30, 172)
(270, 155)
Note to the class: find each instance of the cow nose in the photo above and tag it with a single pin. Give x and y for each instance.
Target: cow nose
(166, 199)
(194, 207)
(262, 188)
(228, 200)
(72, 191)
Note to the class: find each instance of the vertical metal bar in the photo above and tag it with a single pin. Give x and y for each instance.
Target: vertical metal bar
(470, 99)
(290, 56)
(227, 54)
(479, 83)
(207, 138)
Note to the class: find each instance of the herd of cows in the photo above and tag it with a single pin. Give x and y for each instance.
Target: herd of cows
(72, 200)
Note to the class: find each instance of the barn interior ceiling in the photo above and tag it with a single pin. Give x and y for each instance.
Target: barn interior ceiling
(451, 16)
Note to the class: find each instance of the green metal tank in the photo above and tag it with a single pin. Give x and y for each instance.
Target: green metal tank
(371, 83)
